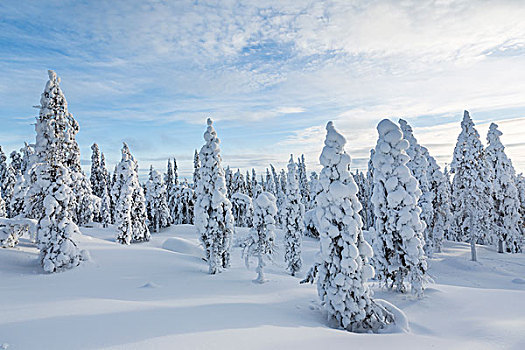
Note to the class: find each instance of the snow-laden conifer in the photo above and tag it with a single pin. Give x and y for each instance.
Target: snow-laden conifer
(182, 204)
(504, 193)
(293, 220)
(130, 208)
(168, 181)
(471, 189)
(242, 210)
(3, 211)
(50, 198)
(97, 179)
(399, 257)
(196, 167)
(418, 165)
(213, 216)
(441, 218)
(369, 206)
(156, 202)
(304, 186)
(261, 242)
(343, 267)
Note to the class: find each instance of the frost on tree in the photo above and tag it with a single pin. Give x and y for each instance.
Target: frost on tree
(471, 189)
(156, 202)
(50, 197)
(418, 165)
(261, 242)
(242, 210)
(293, 220)
(130, 208)
(399, 257)
(213, 209)
(441, 218)
(504, 193)
(343, 268)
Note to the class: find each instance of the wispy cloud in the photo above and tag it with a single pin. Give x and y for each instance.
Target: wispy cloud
(270, 73)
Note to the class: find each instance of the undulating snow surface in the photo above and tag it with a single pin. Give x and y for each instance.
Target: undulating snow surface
(159, 294)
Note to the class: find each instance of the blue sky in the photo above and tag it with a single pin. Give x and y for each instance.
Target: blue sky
(270, 73)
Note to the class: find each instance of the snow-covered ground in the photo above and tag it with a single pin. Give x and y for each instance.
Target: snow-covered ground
(159, 295)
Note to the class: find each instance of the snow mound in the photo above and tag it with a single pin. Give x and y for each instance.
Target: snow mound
(182, 246)
(150, 285)
(400, 324)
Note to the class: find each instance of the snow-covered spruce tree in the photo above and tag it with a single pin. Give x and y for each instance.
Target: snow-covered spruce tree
(213, 209)
(471, 189)
(293, 220)
(369, 206)
(440, 188)
(196, 167)
(248, 184)
(504, 193)
(399, 257)
(242, 209)
(520, 184)
(168, 180)
(105, 208)
(261, 242)
(3, 211)
(343, 268)
(8, 188)
(362, 190)
(237, 185)
(254, 183)
(98, 182)
(83, 205)
(50, 197)
(303, 182)
(16, 161)
(156, 202)
(418, 165)
(182, 204)
(228, 178)
(130, 208)
(450, 233)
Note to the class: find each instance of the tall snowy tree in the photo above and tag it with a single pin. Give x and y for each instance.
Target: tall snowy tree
(213, 215)
(441, 218)
(504, 193)
(471, 189)
(369, 206)
(261, 242)
(418, 165)
(168, 180)
(97, 178)
(293, 220)
(8, 188)
(196, 167)
(399, 257)
(156, 202)
(50, 196)
(303, 182)
(343, 268)
(130, 207)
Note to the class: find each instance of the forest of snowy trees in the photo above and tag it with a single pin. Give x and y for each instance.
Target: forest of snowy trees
(381, 224)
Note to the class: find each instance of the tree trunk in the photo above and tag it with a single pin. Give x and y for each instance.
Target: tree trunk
(500, 246)
(473, 248)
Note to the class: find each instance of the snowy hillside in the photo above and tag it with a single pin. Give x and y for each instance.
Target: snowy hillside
(159, 294)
